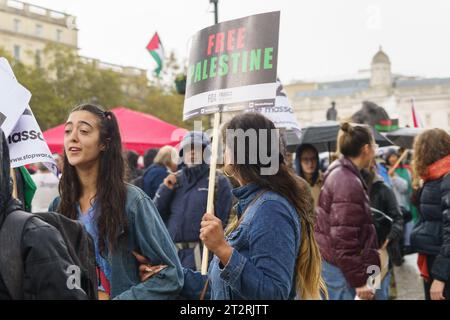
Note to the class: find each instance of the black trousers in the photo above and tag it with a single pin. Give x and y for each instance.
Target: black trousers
(427, 284)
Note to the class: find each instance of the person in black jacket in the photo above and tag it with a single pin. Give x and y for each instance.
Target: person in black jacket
(46, 260)
(389, 235)
(149, 157)
(133, 171)
(431, 235)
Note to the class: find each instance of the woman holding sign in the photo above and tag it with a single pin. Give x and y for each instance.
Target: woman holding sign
(123, 221)
(269, 250)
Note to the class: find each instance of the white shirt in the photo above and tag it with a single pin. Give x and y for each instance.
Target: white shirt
(47, 190)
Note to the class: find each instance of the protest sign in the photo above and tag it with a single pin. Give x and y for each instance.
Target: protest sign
(232, 64)
(27, 144)
(4, 66)
(14, 98)
(26, 141)
(280, 113)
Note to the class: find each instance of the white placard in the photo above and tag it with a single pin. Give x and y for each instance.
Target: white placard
(27, 144)
(26, 141)
(282, 113)
(14, 98)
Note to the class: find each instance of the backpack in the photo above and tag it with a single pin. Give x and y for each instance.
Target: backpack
(383, 224)
(79, 245)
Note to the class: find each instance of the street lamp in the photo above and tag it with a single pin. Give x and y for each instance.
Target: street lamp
(216, 21)
(216, 10)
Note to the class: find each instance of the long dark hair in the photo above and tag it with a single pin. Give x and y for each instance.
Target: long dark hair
(111, 188)
(285, 182)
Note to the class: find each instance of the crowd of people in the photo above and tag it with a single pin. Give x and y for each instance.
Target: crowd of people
(304, 232)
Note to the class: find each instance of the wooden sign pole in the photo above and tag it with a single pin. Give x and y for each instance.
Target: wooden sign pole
(212, 183)
(13, 177)
(391, 171)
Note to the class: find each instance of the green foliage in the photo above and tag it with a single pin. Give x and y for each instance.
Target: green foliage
(64, 80)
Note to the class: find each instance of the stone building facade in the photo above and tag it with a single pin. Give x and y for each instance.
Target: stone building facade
(396, 93)
(26, 29)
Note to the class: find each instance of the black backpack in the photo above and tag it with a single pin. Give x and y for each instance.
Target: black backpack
(383, 224)
(78, 241)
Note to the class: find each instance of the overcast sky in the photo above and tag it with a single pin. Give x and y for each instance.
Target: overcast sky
(318, 38)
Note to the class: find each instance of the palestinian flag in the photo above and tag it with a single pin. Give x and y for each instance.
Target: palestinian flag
(157, 51)
(387, 125)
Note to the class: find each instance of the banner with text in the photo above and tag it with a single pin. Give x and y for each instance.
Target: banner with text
(280, 113)
(14, 98)
(233, 64)
(26, 141)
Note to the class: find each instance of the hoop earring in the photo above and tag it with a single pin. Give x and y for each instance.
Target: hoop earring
(227, 174)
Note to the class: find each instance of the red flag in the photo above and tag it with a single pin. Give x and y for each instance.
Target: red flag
(416, 121)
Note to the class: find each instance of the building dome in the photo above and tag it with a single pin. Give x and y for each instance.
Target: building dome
(381, 57)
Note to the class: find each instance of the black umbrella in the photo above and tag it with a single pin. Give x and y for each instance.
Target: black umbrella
(323, 136)
(292, 140)
(404, 137)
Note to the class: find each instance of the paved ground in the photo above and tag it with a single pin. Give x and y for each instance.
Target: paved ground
(408, 280)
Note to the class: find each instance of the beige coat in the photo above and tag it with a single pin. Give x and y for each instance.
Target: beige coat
(315, 190)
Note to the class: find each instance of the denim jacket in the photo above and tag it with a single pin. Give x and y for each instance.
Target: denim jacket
(183, 207)
(148, 236)
(265, 249)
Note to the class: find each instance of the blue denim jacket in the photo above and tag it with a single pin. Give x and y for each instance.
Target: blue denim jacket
(266, 245)
(183, 207)
(148, 236)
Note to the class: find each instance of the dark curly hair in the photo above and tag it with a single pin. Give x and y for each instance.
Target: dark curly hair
(429, 147)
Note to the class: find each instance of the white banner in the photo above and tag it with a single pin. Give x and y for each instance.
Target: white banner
(26, 141)
(282, 113)
(14, 98)
(27, 144)
(233, 99)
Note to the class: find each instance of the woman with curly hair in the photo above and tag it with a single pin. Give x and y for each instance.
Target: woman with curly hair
(431, 236)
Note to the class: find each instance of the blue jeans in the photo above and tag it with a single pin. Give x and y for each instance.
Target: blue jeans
(407, 233)
(383, 292)
(337, 285)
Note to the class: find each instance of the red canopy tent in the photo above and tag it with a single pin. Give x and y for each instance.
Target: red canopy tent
(139, 132)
